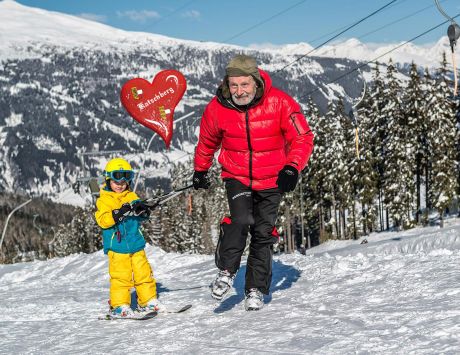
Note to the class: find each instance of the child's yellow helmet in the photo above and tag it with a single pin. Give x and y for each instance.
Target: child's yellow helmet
(118, 169)
(117, 164)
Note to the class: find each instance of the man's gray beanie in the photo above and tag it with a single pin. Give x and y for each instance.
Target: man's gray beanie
(243, 65)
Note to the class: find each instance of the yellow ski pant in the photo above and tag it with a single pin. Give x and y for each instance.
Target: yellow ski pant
(127, 271)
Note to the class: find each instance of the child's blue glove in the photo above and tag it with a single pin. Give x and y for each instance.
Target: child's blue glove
(120, 214)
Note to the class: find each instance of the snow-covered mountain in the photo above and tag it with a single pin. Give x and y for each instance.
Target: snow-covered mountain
(21, 26)
(425, 56)
(60, 78)
(46, 27)
(398, 294)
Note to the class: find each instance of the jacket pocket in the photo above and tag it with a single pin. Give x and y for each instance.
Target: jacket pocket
(297, 118)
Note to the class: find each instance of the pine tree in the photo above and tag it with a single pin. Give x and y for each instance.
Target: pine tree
(398, 176)
(442, 139)
(429, 88)
(312, 213)
(417, 124)
(330, 159)
(81, 235)
(348, 180)
(315, 180)
(379, 140)
(365, 170)
(185, 223)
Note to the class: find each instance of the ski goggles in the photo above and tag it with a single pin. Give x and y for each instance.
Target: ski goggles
(119, 175)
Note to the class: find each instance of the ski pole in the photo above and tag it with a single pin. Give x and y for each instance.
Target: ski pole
(154, 202)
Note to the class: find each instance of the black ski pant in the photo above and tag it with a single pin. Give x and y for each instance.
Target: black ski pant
(255, 212)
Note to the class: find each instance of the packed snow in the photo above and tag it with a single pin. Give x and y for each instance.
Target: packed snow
(397, 294)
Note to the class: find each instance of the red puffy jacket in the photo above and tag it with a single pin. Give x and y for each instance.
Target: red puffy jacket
(257, 142)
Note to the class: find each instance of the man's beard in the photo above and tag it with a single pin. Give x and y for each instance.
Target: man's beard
(244, 99)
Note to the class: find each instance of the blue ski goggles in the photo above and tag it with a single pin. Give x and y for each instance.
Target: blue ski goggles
(119, 175)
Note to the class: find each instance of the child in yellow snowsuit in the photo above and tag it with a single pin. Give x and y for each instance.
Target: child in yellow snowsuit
(120, 214)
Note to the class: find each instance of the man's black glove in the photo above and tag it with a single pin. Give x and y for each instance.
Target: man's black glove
(120, 214)
(200, 180)
(287, 178)
(141, 209)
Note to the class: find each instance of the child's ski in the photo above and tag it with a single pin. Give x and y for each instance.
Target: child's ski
(149, 315)
(135, 316)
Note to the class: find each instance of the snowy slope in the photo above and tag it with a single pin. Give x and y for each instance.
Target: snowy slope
(398, 294)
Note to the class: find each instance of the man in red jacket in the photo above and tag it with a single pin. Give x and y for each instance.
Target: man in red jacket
(264, 143)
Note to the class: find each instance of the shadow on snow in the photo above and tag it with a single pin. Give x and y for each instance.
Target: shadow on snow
(283, 276)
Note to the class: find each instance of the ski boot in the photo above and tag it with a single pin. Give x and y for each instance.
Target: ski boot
(153, 305)
(254, 300)
(123, 311)
(222, 284)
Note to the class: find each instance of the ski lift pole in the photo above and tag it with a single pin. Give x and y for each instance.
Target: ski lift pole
(35, 224)
(357, 141)
(8, 219)
(453, 33)
(354, 119)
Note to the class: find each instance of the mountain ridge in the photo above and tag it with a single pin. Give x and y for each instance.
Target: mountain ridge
(69, 30)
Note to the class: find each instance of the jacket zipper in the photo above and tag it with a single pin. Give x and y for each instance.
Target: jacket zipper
(294, 123)
(126, 236)
(250, 148)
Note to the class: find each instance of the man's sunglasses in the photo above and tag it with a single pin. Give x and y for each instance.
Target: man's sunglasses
(120, 175)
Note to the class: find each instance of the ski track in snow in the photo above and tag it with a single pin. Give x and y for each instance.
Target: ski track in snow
(398, 294)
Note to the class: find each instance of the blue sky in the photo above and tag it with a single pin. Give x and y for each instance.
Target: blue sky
(256, 22)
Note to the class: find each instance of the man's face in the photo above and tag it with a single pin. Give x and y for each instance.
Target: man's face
(242, 88)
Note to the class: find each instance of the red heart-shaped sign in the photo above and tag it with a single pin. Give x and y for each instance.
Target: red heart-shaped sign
(153, 104)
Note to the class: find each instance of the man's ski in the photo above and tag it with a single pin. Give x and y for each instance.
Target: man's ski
(135, 316)
(179, 310)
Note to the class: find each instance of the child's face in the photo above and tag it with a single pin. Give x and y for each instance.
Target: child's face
(119, 186)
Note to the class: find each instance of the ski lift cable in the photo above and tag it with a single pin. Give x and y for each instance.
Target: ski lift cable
(337, 35)
(376, 58)
(265, 21)
(343, 27)
(397, 21)
(443, 12)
